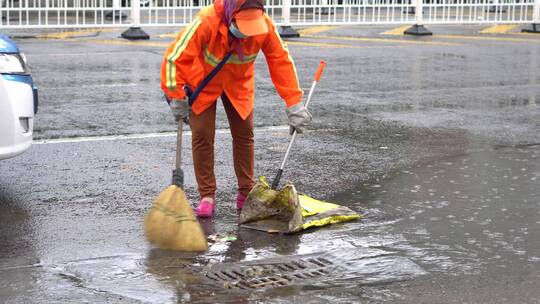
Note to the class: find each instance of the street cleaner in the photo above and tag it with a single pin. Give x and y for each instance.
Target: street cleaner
(223, 42)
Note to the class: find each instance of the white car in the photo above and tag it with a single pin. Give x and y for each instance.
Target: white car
(18, 101)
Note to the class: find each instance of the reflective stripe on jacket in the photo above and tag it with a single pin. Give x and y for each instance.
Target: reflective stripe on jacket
(203, 44)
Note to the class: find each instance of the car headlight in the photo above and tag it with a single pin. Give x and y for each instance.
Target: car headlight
(23, 57)
(12, 64)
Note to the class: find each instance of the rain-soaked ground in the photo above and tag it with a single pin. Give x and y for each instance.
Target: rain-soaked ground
(434, 140)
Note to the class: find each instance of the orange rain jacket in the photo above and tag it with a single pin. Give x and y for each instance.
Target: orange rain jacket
(204, 43)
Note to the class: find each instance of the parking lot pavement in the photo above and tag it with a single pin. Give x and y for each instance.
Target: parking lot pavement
(435, 139)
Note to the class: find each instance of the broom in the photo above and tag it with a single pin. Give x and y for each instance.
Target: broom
(170, 223)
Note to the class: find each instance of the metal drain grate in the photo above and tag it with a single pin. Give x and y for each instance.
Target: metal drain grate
(271, 273)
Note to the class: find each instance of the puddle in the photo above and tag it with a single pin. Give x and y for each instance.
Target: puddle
(164, 276)
(125, 276)
(468, 215)
(472, 215)
(361, 266)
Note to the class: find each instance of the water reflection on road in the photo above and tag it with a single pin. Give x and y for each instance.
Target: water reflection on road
(476, 214)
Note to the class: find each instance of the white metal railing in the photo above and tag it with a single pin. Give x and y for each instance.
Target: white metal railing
(536, 14)
(170, 12)
(459, 12)
(144, 13)
(61, 13)
(307, 12)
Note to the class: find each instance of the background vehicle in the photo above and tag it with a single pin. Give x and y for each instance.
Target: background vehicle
(18, 100)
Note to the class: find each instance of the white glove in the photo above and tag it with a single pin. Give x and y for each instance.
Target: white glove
(299, 117)
(180, 109)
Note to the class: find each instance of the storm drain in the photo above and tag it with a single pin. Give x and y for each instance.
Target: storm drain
(271, 273)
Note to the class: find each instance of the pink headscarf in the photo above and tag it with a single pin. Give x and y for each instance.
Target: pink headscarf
(230, 7)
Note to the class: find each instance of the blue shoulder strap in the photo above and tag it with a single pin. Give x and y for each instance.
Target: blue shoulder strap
(192, 95)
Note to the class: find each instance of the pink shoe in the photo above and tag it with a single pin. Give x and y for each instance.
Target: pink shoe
(205, 208)
(240, 200)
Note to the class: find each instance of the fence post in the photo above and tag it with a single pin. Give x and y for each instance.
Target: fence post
(285, 30)
(135, 32)
(496, 7)
(116, 12)
(418, 29)
(535, 26)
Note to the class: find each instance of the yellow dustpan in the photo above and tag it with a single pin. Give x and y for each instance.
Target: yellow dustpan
(285, 211)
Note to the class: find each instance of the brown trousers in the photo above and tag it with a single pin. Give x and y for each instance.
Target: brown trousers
(203, 127)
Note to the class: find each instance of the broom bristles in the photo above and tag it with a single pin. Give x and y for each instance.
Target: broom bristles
(171, 224)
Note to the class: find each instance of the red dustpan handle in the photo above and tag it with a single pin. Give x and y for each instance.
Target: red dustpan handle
(320, 70)
(317, 77)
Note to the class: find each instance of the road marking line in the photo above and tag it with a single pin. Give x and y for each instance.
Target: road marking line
(125, 42)
(123, 52)
(166, 44)
(398, 31)
(321, 44)
(169, 35)
(339, 45)
(385, 40)
(97, 85)
(499, 29)
(316, 29)
(509, 39)
(524, 33)
(141, 136)
(75, 34)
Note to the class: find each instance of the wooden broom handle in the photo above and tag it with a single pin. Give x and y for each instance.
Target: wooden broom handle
(179, 144)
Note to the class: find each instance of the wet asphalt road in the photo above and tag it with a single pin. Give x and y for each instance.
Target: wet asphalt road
(435, 139)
